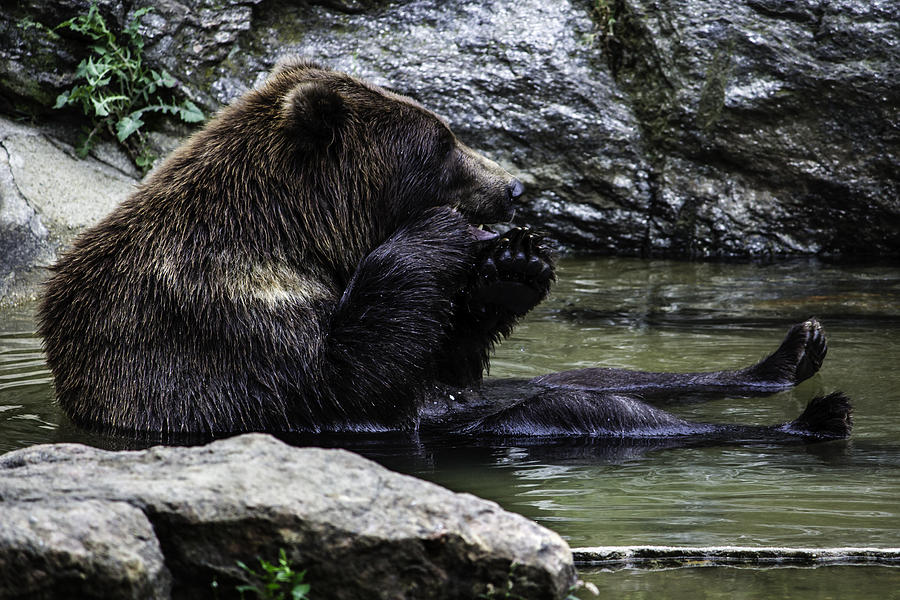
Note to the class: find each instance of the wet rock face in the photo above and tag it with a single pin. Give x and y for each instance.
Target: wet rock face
(520, 81)
(676, 127)
(191, 38)
(186, 38)
(772, 124)
(164, 522)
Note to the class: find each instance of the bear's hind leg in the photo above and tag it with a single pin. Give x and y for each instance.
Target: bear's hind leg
(582, 413)
(797, 358)
(568, 412)
(825, 417)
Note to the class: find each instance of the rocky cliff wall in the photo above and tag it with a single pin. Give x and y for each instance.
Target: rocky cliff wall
(749, 128)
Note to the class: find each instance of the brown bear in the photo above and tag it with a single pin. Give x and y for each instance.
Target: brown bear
(312, 260)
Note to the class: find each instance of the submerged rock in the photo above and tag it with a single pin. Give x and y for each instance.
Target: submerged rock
(183, 516)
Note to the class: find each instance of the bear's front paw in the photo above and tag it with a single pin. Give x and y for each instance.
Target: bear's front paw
(519, 255)
(515, 272)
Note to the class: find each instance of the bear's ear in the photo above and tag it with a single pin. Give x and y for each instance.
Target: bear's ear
(295, 63)
(314, 113)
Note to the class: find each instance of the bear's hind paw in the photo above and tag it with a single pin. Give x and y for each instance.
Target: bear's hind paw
(799, 356)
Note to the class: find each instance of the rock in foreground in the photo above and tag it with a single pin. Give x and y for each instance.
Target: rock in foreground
(166, 522)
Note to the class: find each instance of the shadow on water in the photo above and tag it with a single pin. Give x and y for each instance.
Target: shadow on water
(420, 453)
(413, 453)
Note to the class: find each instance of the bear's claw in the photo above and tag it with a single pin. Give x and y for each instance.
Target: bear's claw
(520, 255)
(515, 271)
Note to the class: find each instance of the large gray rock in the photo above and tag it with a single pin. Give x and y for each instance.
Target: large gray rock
(135, 524)
(518, 80)
(24, 240)
(69, 548)
(773, 125)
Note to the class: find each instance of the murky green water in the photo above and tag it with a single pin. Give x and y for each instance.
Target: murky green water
(729, 583)
(658, 315)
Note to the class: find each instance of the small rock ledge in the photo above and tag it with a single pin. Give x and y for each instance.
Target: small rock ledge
(47, 197)
(165, 522)
(667, 557)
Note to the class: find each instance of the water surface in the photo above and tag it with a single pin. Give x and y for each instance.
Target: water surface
(730, 583)
(655, 315)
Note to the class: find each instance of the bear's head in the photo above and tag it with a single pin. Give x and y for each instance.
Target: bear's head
(391, 155)
(420, 160)
(331, 166)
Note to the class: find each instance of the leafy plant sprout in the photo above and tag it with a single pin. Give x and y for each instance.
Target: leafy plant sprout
(117, 88)
(606, 16)
(275, 581)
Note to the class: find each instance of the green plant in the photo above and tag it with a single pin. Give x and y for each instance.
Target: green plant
(118, 89)
(276, 581)
(26, 23)
(606, 17)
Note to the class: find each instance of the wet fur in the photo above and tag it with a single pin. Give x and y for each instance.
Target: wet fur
(291, 267)
(616, 403)
(297, 266)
